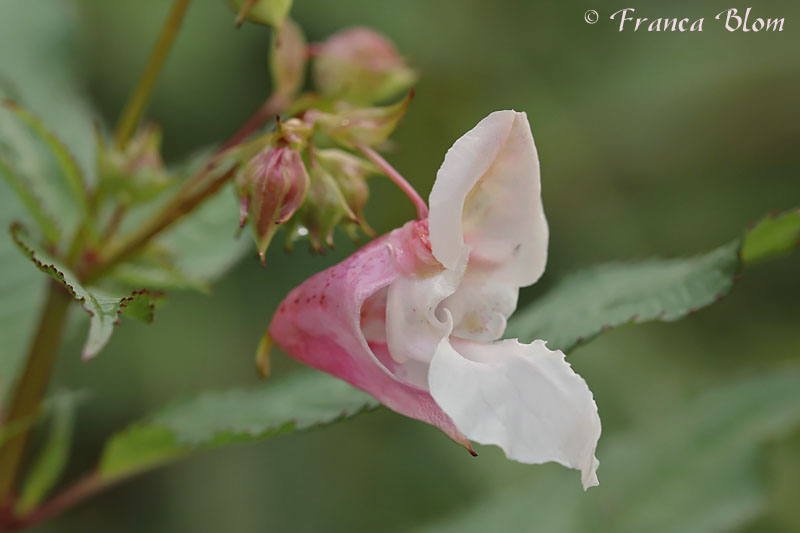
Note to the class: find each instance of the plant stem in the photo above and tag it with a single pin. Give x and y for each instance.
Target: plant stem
(186, 200)
(271, 106)
(174, 210)
(32, 385)
(84, 488)
(144, 87)
(395, 176)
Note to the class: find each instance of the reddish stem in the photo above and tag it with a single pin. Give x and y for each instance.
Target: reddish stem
(268, 109)
(397, 178)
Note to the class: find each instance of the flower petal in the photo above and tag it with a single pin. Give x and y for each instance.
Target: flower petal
(524, 398)
(487, 194)
(320, 324)
(414, 324)
(480, 307)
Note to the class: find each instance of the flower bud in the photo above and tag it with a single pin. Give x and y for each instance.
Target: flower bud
(269, 12)
(136, 173)
(294, 133)
(370, 126)
(350, 173)
(360, 66)
(288, 55)
(325, 207)
(271, 188)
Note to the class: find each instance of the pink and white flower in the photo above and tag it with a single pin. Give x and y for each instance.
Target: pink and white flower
(414, 317)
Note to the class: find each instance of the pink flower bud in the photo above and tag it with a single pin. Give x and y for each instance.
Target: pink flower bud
(287, 62)
(271, 188)
(360, 66)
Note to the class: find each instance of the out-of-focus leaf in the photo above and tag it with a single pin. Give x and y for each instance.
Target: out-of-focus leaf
(22, 292)
(204, 245)
(38, 42)
(696, 469)
(33, 204)
(36, 69)
(302, 401)
(70, 171)
(155, 273)
(773, 235)
(606, 296)
(591, 301)
(783, 470)
(105, 309)
(52, 458)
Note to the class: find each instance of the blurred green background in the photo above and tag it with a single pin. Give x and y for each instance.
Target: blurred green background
(650, 144)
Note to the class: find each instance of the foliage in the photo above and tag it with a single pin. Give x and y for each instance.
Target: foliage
(606, 296)
(215, 419)
(697, 468)
(78, 222)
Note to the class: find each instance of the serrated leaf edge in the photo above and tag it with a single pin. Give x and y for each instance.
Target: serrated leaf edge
(51, 270)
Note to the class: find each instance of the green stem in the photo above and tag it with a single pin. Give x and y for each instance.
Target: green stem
(141, 93)
(173, 211)
(32, 385)
(76, 493)
(186, 199)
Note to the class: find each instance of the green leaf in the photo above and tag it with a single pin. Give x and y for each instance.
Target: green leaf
(589, 302)
(36, 68)
(599, 298)
(211, 420)
(22, 290)
(33, 204)
(773, 235)
(204, 245)
(51, 460)
(69, 169)
(696, 469)
(105, 309)
(155, 273)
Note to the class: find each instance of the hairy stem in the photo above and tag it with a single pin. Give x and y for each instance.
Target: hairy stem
(397, 178)
(32, 385)
(144, 87)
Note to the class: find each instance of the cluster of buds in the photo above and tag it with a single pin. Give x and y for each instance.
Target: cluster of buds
(273, 184)
(311, 190)
(293, 178)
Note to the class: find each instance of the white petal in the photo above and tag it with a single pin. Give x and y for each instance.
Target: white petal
(521, 397)
(487, 194)
(414, 328)
(480, 308)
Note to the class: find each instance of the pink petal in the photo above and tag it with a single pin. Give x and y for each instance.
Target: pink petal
(320, 324)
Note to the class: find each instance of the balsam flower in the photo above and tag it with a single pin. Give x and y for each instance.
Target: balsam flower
(414, 317)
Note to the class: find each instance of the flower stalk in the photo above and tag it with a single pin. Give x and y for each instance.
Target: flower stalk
(397, 178)
(32, 385)
(144, 87)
